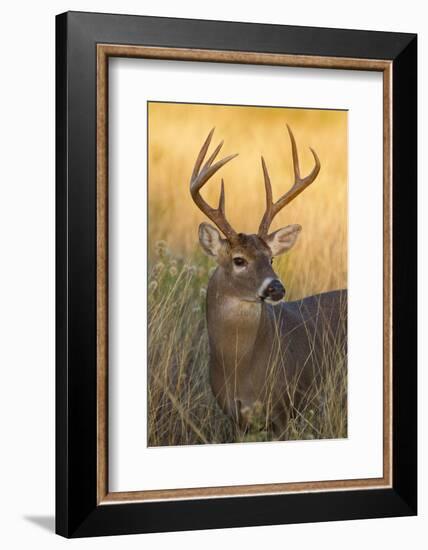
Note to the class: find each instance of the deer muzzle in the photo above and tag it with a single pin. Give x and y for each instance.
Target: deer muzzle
(272, 291)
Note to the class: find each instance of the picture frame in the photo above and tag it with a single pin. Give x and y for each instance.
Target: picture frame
(84, 44)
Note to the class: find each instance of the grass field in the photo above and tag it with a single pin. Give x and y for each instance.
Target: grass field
(181, 407)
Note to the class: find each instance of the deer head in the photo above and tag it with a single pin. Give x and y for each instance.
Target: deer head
(246, 260)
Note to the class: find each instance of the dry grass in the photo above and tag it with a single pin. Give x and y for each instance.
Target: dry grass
(182, 409)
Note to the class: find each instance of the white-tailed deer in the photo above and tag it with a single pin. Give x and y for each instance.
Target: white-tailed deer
(263, 351)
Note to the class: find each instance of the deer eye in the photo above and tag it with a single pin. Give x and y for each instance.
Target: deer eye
(240, 262)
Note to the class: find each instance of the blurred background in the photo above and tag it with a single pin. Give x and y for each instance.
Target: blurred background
(318, 262)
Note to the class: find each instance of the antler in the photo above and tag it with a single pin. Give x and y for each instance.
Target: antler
(299, 185)
(199, 179)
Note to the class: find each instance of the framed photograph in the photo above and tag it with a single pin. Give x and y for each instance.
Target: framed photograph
(236, 274)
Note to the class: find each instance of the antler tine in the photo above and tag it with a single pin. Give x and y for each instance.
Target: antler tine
(202, 153)
(201, 176)
(267, 217)
(268, 186)
(221, 202)
(299, 185)
(214, 155)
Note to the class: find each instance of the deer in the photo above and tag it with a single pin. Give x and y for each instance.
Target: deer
(264, 352)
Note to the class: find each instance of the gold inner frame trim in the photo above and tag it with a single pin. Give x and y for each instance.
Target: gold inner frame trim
(104, 51)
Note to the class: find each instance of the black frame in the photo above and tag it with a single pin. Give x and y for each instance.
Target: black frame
(77, 513)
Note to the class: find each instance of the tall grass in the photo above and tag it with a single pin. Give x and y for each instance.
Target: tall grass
(181, 407)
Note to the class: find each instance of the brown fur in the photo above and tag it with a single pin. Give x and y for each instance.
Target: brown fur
(248, 336)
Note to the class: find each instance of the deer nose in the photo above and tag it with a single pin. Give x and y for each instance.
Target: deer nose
(274, 291)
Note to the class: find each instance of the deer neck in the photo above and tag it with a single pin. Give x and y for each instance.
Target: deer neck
(233, 324)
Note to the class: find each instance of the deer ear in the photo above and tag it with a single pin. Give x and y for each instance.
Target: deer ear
(210, 239)
(283, 239)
